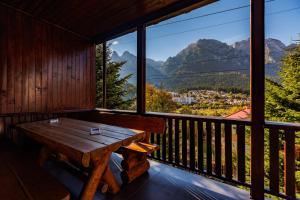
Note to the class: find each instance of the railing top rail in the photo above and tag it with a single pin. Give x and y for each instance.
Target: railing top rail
(283, 125)
(268, 124)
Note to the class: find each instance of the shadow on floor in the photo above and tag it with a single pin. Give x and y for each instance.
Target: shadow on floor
(162, 182)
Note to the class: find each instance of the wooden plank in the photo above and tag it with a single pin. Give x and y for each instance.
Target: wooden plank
(184, 142)
(103, 126)
(55, 136)
(18, 67)
(31, 67)
(87, 76)
(177, 141)
(68, 101)
(103, 139)
(289, 164)
(60, 83)
(3, 61)
(192, 145)
(77, 84)
(208, 148)
(170, 140)
(274, 160)
(82, 93)
(241, 151)
(55, 53)
(200, 145)
(11, 62)
(38, 67)
(93, 76)
(228, 151)
(218, 147)
(50, 69)
(113, 133)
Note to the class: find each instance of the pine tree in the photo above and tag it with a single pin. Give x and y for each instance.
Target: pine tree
(283, 97)
(117, 88)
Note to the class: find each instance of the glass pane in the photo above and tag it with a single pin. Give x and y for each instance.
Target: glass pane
(198, 62)
(282, 60)
(121, 72)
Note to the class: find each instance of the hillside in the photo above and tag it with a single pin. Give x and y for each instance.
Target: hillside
(206, 63)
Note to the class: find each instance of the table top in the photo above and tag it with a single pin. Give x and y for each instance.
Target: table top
(72, 137)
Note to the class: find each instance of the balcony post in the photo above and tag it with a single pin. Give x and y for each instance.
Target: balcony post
(141, 69)
(257, 81)
(104, 75)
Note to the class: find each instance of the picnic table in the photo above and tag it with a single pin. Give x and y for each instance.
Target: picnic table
(72, 138)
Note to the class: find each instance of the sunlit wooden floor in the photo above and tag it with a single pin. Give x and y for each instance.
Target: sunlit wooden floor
(162, 182)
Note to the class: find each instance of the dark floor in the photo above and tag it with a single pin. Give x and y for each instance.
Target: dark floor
(162, 182)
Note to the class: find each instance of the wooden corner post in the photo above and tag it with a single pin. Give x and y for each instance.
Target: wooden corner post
(257, 78)
(141, 69)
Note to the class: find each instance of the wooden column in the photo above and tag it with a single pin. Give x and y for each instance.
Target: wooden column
(257, 98)
(141, 69)
(104, 75)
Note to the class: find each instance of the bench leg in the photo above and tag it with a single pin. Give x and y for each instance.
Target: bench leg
(134, 165)
(92, 183)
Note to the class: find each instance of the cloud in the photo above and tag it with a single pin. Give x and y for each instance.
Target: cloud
(115, 42)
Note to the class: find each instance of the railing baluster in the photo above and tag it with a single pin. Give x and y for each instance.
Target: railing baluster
(159, 144)
(152, 142)
(218, 146)
(184, 142)
(208, 148)
(170, 139)
(274, 160)
(177, 141)
(228, 151)
(289, 163)
(241, 152)
(192, 145)
(164, 147)
(200, 146)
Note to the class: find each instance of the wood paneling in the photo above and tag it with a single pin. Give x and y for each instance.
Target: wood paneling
(43, 68)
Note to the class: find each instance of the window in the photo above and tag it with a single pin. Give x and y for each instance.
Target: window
(282, 65)
(121, 70)
(198, 63)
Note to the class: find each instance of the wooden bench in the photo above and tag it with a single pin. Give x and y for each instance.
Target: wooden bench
(135, 161)
(21, 178)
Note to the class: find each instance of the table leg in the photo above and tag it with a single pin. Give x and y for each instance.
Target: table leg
(91, 185)
(110, 179)
(43, 156)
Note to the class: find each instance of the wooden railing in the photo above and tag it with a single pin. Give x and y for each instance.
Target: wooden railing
(220, 148)
(282, 158)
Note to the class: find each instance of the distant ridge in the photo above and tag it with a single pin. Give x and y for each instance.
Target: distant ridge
(207, 63)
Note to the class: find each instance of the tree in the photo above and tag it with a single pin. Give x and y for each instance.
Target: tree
(117, 88)
(283, 97)
(159, 100)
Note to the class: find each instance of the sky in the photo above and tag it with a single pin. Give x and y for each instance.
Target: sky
(169, 37)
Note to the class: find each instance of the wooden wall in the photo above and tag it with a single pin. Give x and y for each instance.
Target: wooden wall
(43, 68)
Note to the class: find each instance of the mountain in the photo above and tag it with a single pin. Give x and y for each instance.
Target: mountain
(130, 67)
(207, 63)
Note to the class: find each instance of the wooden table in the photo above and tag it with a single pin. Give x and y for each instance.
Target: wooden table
(72, 139)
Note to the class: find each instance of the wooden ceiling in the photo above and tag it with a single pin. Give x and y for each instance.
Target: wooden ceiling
(91, 18)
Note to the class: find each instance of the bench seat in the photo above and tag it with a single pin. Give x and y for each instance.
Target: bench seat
(141, 147)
